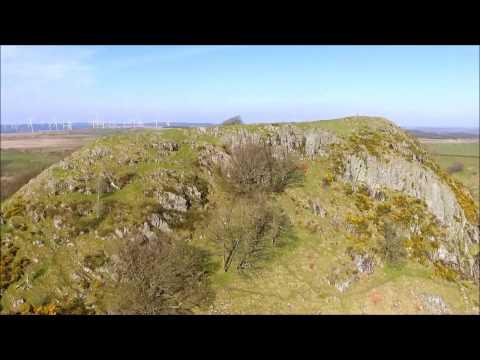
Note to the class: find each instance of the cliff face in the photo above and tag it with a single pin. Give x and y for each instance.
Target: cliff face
(62, 231)
(422, 183)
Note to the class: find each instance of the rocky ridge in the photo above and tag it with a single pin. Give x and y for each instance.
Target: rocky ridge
(153, 183)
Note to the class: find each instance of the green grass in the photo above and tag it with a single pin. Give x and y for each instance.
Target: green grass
(14, 161)
(460, 149)
(18, 167)
(345, 126)
(446, 154)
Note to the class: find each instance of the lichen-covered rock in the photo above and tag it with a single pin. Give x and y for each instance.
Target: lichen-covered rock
(317, 209)
(435, 304)
(148, 233)
(364, 263)
(310, 143)
(211, 156)
(57, 222)
(342, 277)
(317, 142)
(171, 201)
(422, 183)
(476, 267)
(157, 222)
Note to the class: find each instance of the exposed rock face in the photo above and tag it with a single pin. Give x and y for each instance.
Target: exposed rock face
(408, 177)
(364, 263)
(341, 279)
(476, 267)
(57, 222)
(317, 142)
(171, 201)
(317, 208)
(435, 304)
(157, 222)
(309, 143)
(289, 137)
(211, 157)
(148, 233)
(422, 183)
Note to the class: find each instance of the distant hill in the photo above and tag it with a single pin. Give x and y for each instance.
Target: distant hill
(444, 133)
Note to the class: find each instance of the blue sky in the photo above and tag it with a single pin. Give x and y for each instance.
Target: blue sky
(411, 85)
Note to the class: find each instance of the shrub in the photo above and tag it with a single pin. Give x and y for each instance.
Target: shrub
(162, 277)
(50, 309)
(455, 167)
(95, 260)
(254, 167)
(392, 247)
(12, 267)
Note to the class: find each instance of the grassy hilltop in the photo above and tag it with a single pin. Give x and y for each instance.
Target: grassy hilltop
(317, 217)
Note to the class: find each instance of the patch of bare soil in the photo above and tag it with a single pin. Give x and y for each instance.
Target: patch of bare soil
(449, 141)
(64, 141)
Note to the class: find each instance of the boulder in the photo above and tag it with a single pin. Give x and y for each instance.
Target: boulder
(317, 209)
(171, 201)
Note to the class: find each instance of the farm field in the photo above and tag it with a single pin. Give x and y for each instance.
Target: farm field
(19, 166)
(447, 153)
(24, 156)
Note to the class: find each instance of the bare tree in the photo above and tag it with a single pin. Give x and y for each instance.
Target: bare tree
(254, 167)
(165, 276)
(247, 231)
(392, 248)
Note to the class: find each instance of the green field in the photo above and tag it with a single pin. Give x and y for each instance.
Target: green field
(446, 154)
(18, 167)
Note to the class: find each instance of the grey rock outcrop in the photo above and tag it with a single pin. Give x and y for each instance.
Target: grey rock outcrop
(435, 304)
(157, 222)
(317, 142)
(310, 143)
(364, 263)
(171, 201)
(317, 209)
(415, 180)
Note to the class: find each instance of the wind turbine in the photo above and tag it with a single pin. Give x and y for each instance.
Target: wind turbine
(30, 123)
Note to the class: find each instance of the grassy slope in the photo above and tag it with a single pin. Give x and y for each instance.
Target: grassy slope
(296, 281)
(468, 154)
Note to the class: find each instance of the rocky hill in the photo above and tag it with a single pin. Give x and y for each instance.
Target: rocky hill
(337, 216)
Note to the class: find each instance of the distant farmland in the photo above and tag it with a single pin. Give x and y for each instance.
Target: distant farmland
(467, 153)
